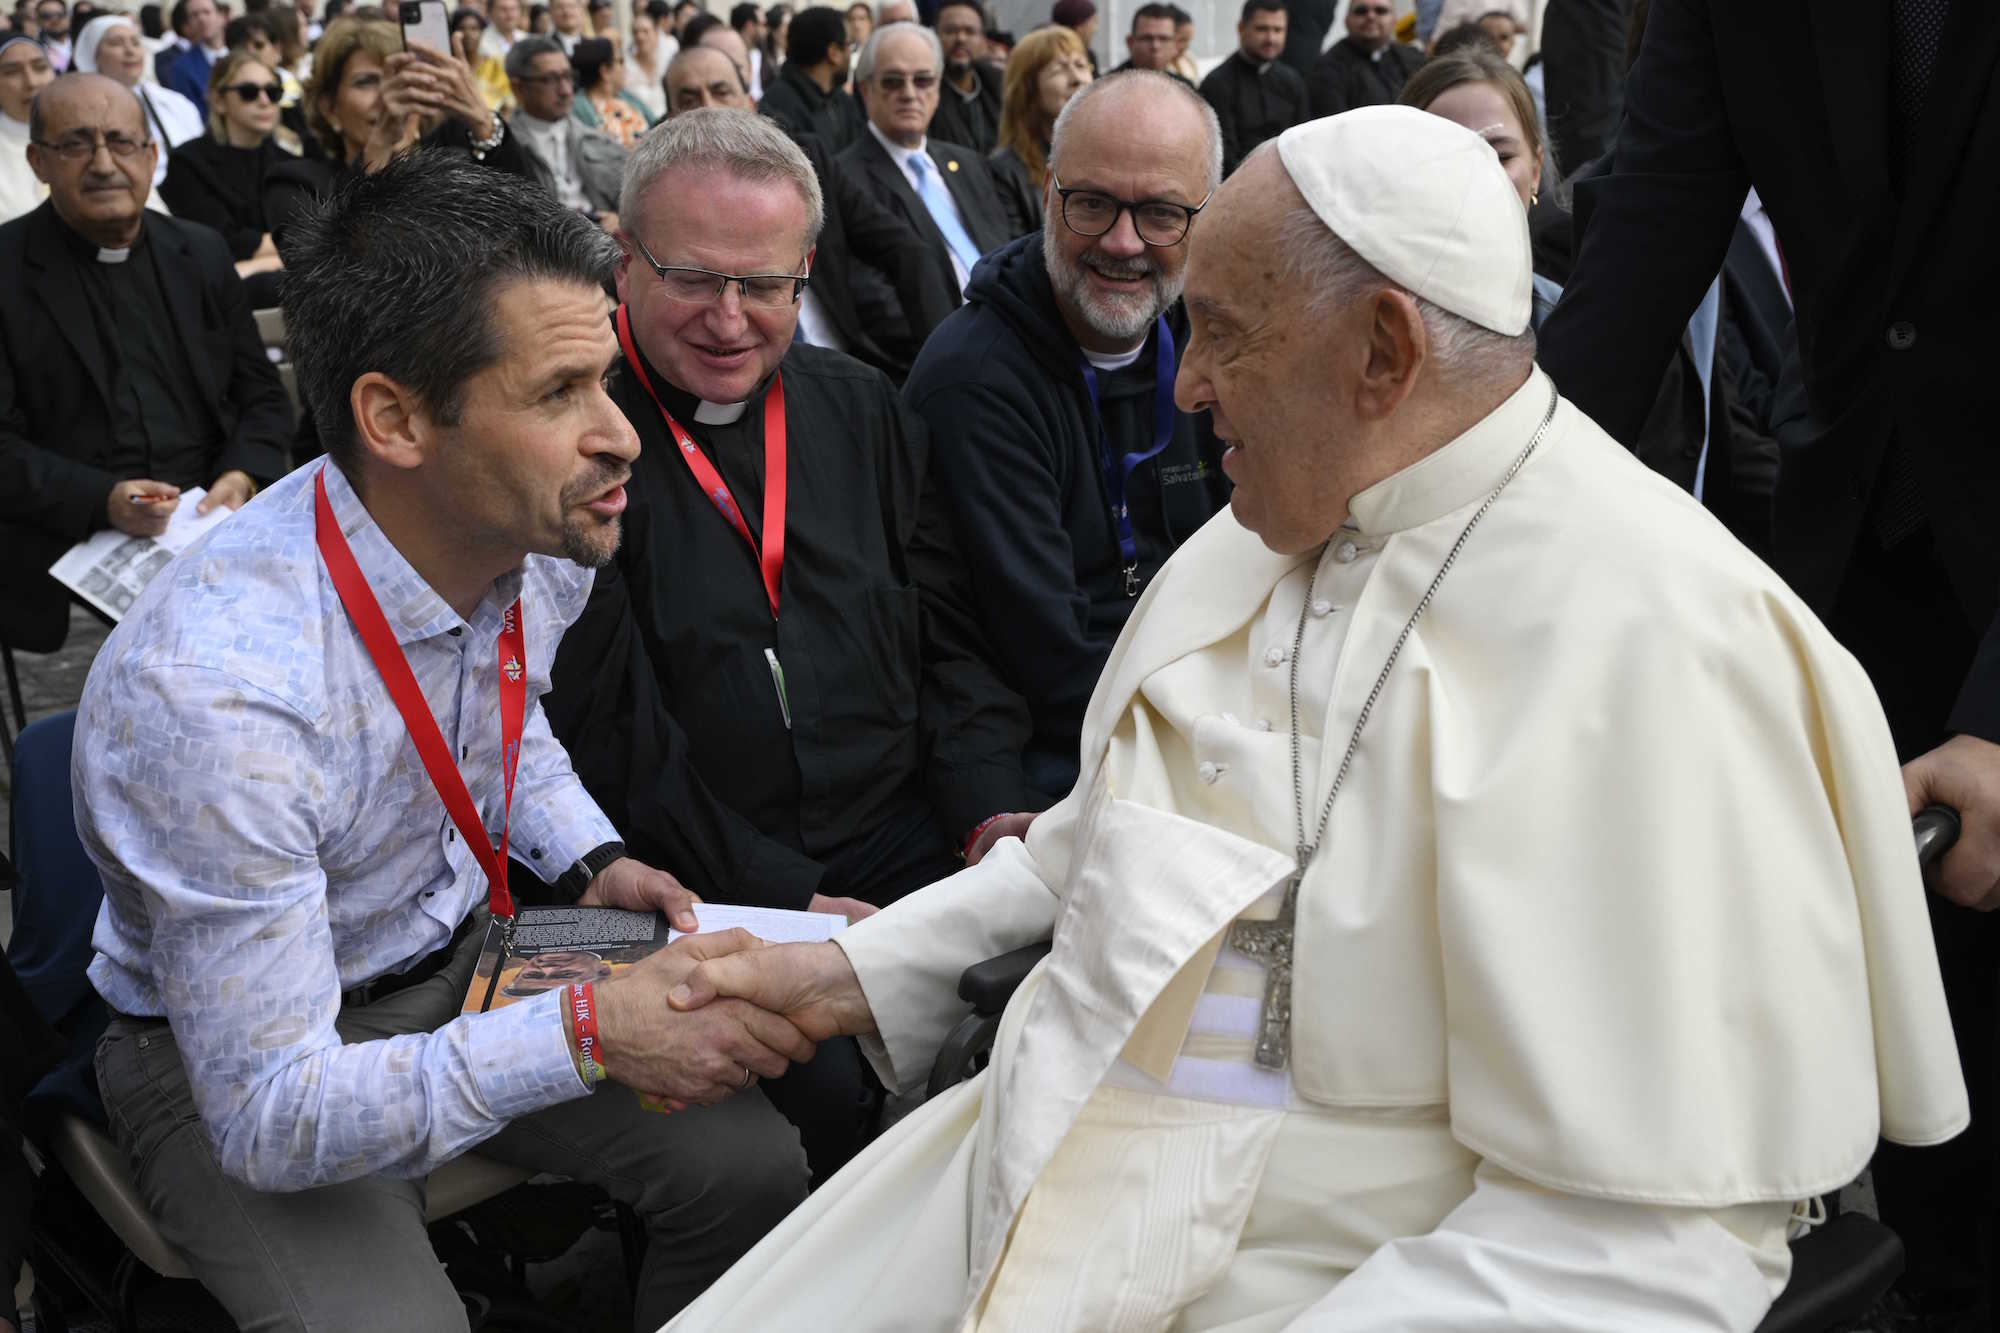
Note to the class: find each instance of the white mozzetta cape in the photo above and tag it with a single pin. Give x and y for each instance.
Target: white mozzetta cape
(1622, 876)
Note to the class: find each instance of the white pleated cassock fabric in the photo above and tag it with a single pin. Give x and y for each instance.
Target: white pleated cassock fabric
(1615, 950)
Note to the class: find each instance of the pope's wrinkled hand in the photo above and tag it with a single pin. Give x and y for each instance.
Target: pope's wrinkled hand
(1963, 773)
(813, 985)
(691, 1059)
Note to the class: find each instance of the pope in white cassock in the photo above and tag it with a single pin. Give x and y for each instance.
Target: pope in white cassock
(1583, 841)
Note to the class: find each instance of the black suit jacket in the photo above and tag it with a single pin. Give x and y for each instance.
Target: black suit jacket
(965, 174)
(1252, 105)
(861, 240)
(950, 121)
(1345, 77)
(1893, 287)
(1307, 22)
(55, 399)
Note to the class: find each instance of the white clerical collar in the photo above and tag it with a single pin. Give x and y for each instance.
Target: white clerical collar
(719, 414)
(901, 154)
(113, 256)
(1114, 360)
(1459, 474)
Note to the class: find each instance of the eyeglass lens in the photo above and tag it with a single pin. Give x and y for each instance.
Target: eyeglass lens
(1088, 213)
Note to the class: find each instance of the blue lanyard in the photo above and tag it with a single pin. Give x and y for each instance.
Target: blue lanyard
(1118, 469)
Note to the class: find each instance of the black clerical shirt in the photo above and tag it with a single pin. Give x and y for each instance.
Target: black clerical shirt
(162, 428)
(901, 737)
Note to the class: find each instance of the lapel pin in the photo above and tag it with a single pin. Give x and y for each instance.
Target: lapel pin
(951, 165)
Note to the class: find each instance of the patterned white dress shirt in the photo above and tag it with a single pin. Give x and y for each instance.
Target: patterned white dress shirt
(268, 838)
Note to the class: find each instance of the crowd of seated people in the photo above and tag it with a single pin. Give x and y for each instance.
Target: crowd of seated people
(845, 351)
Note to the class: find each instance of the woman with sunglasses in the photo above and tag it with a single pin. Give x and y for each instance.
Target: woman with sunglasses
(218, 179)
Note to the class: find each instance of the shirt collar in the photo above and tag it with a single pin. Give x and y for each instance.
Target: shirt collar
(413, 609)
(901, 154)
(1458, 474)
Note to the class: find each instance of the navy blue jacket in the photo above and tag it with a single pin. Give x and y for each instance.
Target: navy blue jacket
(1016, 455)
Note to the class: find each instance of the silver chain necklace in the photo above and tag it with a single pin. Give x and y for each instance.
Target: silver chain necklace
(1271, 941)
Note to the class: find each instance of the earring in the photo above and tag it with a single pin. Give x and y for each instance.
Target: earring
(1534, 198)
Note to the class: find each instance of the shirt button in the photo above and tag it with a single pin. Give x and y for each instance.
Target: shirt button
(1274, 657)
(1902, 336)
(1322, 607)
(1345, 552)
(456, 631)
(1208, 772)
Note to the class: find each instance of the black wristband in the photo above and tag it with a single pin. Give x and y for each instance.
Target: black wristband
(569, 886)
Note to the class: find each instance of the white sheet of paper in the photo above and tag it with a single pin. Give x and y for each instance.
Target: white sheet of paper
(774, 925)
(111, 569)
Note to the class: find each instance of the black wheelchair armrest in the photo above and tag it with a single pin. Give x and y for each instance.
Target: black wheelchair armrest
(988, 985)
(1839, 1271)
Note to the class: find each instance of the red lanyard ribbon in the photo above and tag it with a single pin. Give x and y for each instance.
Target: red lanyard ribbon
(771, 556)
(376, 636)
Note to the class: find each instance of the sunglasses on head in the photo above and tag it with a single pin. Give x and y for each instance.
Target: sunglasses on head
(274, 93)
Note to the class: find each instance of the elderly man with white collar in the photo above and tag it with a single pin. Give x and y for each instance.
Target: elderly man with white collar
(1488, 901)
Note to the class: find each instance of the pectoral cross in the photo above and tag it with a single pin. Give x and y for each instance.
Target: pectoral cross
(1270, 942)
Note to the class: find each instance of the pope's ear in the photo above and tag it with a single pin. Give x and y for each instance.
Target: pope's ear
(1398, 349)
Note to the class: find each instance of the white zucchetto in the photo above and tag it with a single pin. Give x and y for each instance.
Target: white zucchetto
(1425, 201)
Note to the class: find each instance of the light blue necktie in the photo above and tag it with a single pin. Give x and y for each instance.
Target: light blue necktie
(937, 198)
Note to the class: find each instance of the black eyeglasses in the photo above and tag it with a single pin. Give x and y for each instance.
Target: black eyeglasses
(893, 83)
(703, 286)
(273, 93)
(83, 147)
(1159, 222)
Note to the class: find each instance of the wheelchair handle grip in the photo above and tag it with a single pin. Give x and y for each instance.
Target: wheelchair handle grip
(1937, 828)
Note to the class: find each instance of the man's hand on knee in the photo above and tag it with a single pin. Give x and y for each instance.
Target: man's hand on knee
(811, 984)
(691, 1058)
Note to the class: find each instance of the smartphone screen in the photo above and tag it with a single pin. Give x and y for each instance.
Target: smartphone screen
(424, 20)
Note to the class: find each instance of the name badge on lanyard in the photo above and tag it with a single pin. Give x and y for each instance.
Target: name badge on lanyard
(1118, 469)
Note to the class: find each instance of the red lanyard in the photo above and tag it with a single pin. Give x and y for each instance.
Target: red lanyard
(771, 558)
(376, 636)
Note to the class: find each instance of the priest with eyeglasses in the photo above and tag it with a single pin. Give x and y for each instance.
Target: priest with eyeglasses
(780, 688)
(1488, 901)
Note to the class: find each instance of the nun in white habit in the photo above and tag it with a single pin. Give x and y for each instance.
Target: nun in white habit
(111, 45)
(1488, 902)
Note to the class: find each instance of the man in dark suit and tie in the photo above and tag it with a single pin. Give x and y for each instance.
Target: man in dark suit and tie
(130, 367)
(943, 190)
(1872, 135)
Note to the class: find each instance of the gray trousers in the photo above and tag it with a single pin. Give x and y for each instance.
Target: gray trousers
(707, 1182)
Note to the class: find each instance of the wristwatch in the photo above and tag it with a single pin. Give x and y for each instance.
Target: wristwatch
(570, 885)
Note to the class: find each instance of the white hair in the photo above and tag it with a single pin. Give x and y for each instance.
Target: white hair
(864, 61)
(1137, 79)
(741, 143)
(1334, 276)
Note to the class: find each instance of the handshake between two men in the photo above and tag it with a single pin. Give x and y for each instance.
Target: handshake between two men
(711, 1013)
(708, 1015)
